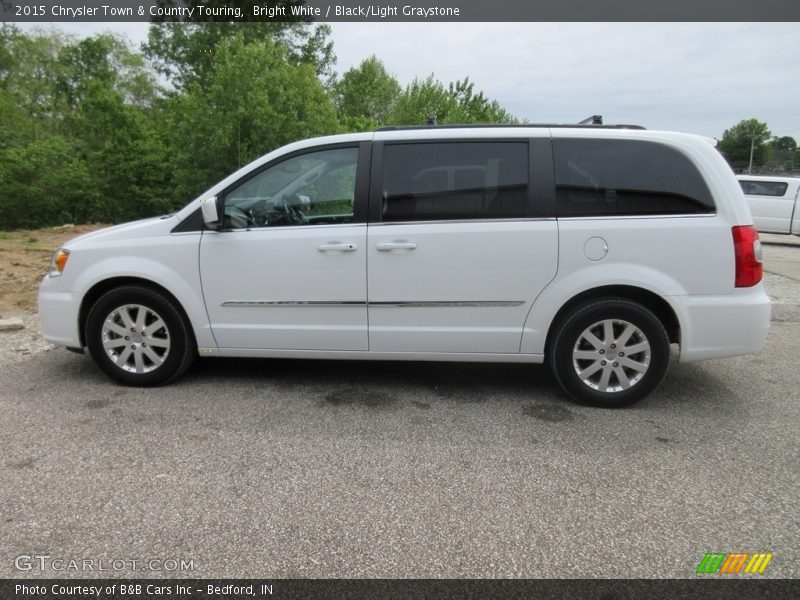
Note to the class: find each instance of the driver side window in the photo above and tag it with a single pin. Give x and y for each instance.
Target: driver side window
(310, 189)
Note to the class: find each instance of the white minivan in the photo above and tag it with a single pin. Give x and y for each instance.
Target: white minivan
(590, 248)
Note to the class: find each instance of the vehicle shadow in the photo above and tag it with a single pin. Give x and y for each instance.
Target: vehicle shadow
(698, 389)
(462, 382)
(694, 387)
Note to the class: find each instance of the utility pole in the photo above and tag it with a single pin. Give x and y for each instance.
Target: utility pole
(752, 146)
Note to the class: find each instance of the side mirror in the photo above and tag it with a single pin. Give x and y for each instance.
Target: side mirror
(210, 212)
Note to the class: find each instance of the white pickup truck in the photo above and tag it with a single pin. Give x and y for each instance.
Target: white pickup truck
(773, 202)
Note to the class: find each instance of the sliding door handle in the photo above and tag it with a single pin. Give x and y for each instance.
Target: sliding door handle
(396, 245)
(337, 247)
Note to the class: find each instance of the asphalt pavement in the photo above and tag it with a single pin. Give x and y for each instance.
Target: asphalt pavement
(273, 468)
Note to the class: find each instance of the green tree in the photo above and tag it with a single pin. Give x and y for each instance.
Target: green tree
(782, 153)
(424, 98)
(253, 101)
(744, 144)
(365, 95)
(126, 156)
(108, 60)
(29, 69)
(184, 51)
(452, 104)
(41, 177)
(88, 134)
(79, 143)
(43, 182)
(476, 108)
(110, 96)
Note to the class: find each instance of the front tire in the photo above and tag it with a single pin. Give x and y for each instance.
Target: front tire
(138, 337)
(610, 353)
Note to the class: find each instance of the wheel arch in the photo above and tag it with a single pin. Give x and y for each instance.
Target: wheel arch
(101, 287)
(650, 300)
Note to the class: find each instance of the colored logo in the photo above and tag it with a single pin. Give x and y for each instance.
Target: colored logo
(735, 562)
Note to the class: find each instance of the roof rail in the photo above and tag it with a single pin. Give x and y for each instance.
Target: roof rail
(593, 120)
(498, 125)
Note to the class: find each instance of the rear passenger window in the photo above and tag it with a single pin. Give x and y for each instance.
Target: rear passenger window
(764, 188)
(446, 181)
(626, 177)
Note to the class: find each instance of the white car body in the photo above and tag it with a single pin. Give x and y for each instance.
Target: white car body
(773, 202)
(469, 290)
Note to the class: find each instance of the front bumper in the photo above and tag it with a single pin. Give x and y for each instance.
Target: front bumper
(58, 314)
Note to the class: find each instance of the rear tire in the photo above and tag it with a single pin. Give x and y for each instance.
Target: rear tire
(138, 337)
(609, 352)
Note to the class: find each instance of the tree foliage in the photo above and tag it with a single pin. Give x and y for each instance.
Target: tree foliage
(81, 146)
(365, 95)
(737, 142)
(184, 51)
(44, 182)
(254, 100)
(94, 130)
(779, 154)
(782, 154)
(454, 103)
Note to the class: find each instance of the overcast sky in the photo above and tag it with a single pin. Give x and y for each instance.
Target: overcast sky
(695, 77)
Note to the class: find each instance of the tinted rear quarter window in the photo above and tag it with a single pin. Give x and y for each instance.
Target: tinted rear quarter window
(764, 188)
(453, 181)
(626, 177)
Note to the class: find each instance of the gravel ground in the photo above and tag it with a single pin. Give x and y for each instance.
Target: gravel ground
(20, 344)
(353, 469)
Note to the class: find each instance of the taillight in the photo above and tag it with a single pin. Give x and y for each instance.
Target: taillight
(747, 250)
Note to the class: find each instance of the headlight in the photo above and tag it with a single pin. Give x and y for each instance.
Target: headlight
(58, 262)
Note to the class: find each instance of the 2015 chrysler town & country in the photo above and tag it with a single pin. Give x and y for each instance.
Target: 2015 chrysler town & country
(589, 248)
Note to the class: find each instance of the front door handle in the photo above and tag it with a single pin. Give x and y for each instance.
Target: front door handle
(396, 245)
(337, 247)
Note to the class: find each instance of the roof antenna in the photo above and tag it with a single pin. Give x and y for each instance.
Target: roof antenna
(593, 120)
(431, 120)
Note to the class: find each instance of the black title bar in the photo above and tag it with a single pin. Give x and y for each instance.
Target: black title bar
(43, 11)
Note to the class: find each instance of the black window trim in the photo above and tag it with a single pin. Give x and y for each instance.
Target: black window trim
(192, 223)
